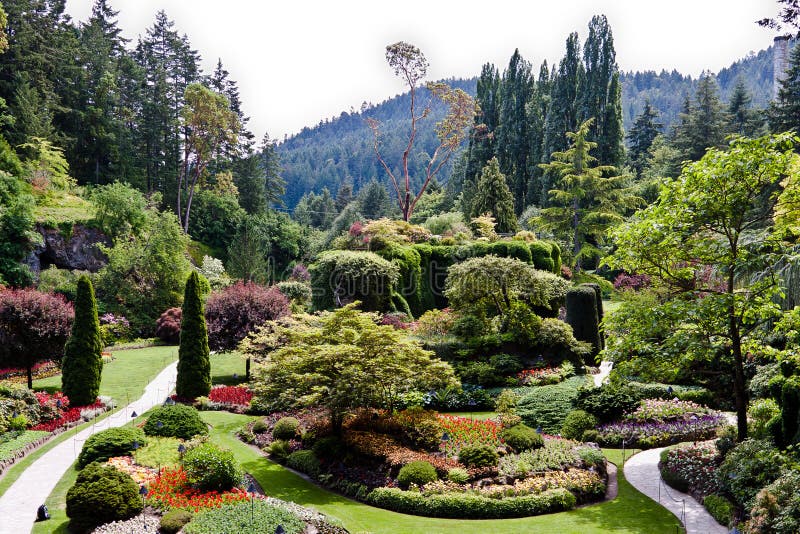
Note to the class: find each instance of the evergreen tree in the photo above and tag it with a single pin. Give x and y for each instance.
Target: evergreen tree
(82, 366)
(704, 122)
(784, 112)
(344, 195)
(494, 196)
(640, 138)
(248, 251)
(373, 201)
(220, 82)
(536, 112)
(194, 366)
(743, 119)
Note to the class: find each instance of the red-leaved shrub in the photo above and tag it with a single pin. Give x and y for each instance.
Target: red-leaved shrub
(168, 326)
(238, 309)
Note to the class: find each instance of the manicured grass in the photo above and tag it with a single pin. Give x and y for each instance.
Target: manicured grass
(631, 512)
(224, 366)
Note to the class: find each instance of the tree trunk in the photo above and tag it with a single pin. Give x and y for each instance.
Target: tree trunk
(30, 377)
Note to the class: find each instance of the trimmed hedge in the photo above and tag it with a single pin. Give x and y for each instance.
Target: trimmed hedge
(101, 494)
(109, 443)
(177, 421)
(720, 509)
(470, 506)
(211, 468)
(576, 423)
(582, 316)
(521, 437)
(304, 461)
(419, 473)
(286, 428)
(478, 456)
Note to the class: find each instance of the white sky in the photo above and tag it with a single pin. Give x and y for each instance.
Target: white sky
(300, 61)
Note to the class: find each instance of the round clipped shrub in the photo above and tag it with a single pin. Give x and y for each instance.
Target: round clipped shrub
(211, 468)
(419, 473)
(521, 437)
(286, 428)
(259, 427)
(576, 423)
(478, 456)
(459, 475)
(108, 443)
(304, 461)
(177, 421)
(101, 494)
(174, 520)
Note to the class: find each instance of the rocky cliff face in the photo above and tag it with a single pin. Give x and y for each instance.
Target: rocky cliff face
(69, 250)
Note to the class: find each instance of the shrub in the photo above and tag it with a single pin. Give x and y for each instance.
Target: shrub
(177, 421)
(589, 436)
(747, 468)
(470, 506)
(304, 461)
(522, 437)
(174, 520)
(83, 364)
(168, 326)
(759, 414)
(591, 456)
(547, 406)
(477, 373)
(260, 426)
(506, 401)
(236, 311)
(194, 366)
(108, 443)
(365, 276)
(506, 364)
(459, 475)
(720, 509)
(556, 455)
(576, 423)
(211, 468)
(583, 316)
(607, 403)
(101, 494)
(248, 517)
(279, 449)
(478, 456)
(777, 509)
(329, 448)
(286, 428)
(419, 472)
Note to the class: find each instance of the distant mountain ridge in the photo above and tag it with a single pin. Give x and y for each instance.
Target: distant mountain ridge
(341, 148)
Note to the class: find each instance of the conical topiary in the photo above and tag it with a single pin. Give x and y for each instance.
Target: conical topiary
(194, 366)
(83, 364)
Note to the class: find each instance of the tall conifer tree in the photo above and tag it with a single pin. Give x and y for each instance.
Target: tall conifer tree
(194, 365)
(640, 138)
(82, 366)
(494, 196)
(784, 113)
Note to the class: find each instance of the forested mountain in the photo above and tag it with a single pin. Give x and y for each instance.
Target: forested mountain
(341, 149)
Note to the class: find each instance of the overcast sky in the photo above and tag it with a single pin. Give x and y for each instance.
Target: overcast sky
(298, 62)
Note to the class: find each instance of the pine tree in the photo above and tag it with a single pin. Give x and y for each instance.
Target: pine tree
(645, 129)
(743, 119)
(784, 113)
(82, 366)
(194, 366)
(494, 196)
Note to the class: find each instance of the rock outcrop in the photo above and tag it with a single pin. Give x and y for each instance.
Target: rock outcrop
(74, 250)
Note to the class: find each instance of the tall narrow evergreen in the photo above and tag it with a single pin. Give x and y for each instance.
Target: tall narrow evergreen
(82, 366)
(704, 122)
(743, 119)
(494, 196)
(482, 137)
(645, 129)
(194, 366)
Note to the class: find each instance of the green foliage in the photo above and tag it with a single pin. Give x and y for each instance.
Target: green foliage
(522, 438)
(470, 506)
(298, 293)
(211, 468)
(548, 406)
(109, 443)
(329, 448)
(83, 364)
(607, 403)
(759, 413)
(576, 423)
(215, 218)
(17, 235)
(286, 428)
(776, 509)
(459, 475)
(506, 401)
(478, 456)
(256, 517)
(419, 472)
(747, 468)
(14, 441)
(158, 452)
(279, 450)
(174, 520)
(194, 366)
(341, 277)
(541, 255)
(304, 461)
(260, 426)
(720, 509)
(177, 421)
(407, 260)
(493, 197)
(121, 210)
(101, 494)
(582, 316)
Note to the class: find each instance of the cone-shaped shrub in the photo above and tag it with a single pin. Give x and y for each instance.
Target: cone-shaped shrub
(83, 363)
(582, 316)
(194, 366)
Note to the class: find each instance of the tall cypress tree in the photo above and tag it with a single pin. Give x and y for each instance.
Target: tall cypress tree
(82, 366)
(194, 365)
(494, 196)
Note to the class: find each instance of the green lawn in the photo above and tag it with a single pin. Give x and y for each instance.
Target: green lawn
(224, 366)
(631, 512)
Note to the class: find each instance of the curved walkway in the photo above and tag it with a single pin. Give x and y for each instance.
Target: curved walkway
(641, 470)
(19, 503)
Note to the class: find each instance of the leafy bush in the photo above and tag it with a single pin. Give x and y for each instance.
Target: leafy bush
(286, 428)
(470, 506)
(759, 384)
(477, 373)
(177, 421)
(168, 326)
(364, 276)
(459, 475)
(211, 468)
(576, 423)
(249, 517)
(547, 406)
(555, 455)
(304, 461)
(720, 508)
(329, 448)
(607, 403)
(419, 472)
(259, 427)
(591, 456)
(236, 311)
(691, 468)
(279, 450)
(759, 414)
(522, 438)
(111, 442)
(506, 402)
(174, 520)
(101, 494)
(506, 364)
(478, 456)
(777, 509)
(297, 292)
(747, 468)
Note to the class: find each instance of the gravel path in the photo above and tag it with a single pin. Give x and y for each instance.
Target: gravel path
(641, 470)
(19, 503)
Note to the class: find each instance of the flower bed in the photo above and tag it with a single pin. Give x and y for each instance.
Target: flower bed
(139, 474)
(540, 377)
(67, 416)
(171, 489)
(556, 454)
(667, 410)
(658, 434)
(43, 369)
(231, 395)
(387, 448)
(691, 468)
(463, 431)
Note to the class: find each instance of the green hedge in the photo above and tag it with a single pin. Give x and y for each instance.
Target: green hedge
(362, 276)
(177, 421)
(470, 506)
(108, 443)
(582, 316)
(408, 260)
(101, 494)
(720, 509)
